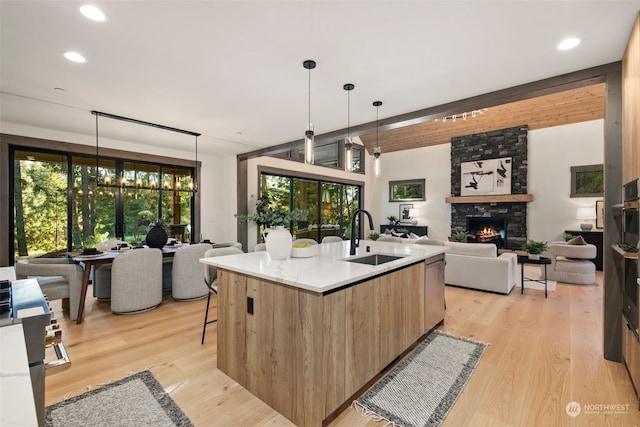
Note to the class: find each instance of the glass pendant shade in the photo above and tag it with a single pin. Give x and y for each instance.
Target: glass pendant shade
(376, 162)
(308, 145)
(348, 154)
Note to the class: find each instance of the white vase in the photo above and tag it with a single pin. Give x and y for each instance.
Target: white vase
(534, 256)
(279, 243)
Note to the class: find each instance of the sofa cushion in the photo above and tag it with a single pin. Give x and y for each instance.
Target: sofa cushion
(486, 250)
(578, 240)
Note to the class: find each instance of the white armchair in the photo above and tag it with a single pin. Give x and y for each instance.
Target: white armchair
(570, 263)
(187, 274)
(59, 278)
(478, 266)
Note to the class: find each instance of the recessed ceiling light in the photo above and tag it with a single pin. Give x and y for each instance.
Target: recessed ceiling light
(93, 13)
(569, 43)
(75, 57)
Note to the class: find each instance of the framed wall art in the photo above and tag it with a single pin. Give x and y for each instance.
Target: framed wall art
(486, 177)
(406, 190)
(600, 214)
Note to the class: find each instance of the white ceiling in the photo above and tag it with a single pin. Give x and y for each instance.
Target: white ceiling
(232, 70)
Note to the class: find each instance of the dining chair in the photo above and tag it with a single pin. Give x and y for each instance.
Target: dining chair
(260, 247)
(186, 273)
(102, 273)
(136, 281)
(211, 280)
(331, 239)
(59, 278)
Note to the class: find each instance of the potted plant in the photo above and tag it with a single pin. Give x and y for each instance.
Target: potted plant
(392, 219)
(534, 248)
(374, 236)
(461, 236)
(273, 217)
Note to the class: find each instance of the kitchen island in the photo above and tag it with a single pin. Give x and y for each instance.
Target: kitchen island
(307, 334)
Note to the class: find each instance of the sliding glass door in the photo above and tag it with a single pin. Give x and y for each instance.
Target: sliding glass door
(329, 204)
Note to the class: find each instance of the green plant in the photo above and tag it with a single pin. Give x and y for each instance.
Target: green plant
(461, 236)
(534, 247)
(272, 214)
(160, 222)
(392, 219)
(374, 236)
(568, 236)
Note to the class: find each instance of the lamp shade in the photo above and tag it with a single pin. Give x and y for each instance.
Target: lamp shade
(586, 213)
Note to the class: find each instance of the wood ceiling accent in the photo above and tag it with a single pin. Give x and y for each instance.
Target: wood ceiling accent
(572, 106)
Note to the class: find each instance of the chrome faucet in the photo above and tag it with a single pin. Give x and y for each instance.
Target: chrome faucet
(354, 244)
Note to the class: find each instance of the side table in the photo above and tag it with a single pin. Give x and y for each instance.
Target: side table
(524, 259)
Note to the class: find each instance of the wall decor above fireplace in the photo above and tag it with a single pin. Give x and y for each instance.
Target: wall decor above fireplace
(486, 177)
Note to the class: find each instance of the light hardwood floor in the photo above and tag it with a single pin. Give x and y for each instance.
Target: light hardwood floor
(543, 354)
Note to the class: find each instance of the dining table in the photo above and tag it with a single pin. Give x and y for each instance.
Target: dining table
(89, 261)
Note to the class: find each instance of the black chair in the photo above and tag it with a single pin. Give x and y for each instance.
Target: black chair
(211, 279)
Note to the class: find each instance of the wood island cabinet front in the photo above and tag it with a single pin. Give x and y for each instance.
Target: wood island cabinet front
(305, 353)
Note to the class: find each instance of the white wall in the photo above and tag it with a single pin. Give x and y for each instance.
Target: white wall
(552, 152)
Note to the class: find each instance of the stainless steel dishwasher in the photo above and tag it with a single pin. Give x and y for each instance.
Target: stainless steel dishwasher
(434, 292)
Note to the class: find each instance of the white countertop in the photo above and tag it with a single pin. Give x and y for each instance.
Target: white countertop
(326, 270)
(17, 406)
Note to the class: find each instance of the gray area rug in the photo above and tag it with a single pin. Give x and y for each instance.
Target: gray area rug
(137, 400)
(422, 388)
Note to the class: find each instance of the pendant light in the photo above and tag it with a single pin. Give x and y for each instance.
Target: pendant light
(348, 145)
(308, 134)
(376, 150)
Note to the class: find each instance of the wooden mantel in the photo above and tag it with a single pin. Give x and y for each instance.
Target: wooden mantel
(503, 198)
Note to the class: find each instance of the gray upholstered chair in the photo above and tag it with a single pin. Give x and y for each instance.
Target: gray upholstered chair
(260, 247)
(211, 280)
(187, 274)
(102, 273)
(331, 239)
(59, 278)
(136, 281)
(570, 263)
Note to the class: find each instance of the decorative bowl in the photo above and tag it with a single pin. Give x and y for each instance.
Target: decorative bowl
(303, 252)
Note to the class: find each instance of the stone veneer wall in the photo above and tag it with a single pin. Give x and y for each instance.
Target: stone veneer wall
(510, 142)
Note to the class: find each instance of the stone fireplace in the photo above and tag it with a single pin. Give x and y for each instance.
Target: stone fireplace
(505, 215)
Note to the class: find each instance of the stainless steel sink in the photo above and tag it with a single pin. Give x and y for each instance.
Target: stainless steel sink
(375, 259)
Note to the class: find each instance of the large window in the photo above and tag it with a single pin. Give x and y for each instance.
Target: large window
(59, 204)
(329, 204)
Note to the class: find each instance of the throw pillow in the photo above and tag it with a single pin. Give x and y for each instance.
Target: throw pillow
(388, 231)
(578, 240)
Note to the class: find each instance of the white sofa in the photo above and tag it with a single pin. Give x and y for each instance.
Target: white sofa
(478, 266)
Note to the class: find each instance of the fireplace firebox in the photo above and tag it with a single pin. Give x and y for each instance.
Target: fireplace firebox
(487, 230)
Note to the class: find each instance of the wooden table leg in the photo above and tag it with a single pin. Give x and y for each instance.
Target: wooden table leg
(83, 292)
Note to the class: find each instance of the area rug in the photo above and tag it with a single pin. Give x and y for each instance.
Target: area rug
(137, 400)
(535, 272)
(422, 388)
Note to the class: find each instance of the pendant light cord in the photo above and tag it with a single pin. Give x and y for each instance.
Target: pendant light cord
(309, 96)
